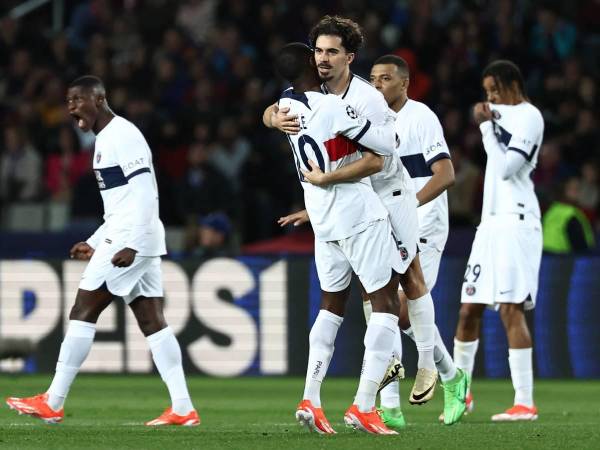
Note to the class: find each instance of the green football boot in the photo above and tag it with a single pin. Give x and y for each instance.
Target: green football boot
(455, 394)
(392, 418)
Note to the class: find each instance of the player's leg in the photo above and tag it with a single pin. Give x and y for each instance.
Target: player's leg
(382, 329)
(335, 275)
(390, 411)
(454, 380)
(375, 259)
(166, 354)
(466, 339)
(74, 349)
(520, 362)
(422, 318)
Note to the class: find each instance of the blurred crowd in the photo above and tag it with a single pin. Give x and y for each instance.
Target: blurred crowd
(196, 75)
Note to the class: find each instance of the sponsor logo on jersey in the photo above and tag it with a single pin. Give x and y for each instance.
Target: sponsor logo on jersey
(470, 290)
(132, 164)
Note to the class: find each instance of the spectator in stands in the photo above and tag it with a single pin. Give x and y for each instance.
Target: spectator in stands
(65, 167)
(566, 228)
(211, 237)
(20, 168)
(203, 188)
(231, 152)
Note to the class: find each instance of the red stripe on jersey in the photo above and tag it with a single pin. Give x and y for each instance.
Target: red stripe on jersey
(340, 146)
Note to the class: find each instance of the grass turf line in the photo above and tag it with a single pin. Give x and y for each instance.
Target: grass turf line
(108, 411)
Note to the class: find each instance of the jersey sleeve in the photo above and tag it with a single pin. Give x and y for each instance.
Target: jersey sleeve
(132, 153)
(346, 121)
(525, 136)
(431, 138)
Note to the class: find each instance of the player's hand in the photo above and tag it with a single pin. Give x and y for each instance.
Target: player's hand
(482, 112)
(298, 218)
(81, 250)
(316, 175)
(123, 258)
(283, 122)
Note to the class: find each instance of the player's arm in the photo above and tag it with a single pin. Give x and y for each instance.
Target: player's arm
(442, 179)
(345, 120)
(275, 117)
(141, 190)
(85, 250)
(369, 164)
(437, 156)
(515, 156)
(297, 218)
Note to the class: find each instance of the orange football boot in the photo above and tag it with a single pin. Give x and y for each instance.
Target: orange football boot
(170, 418)
(36, 406)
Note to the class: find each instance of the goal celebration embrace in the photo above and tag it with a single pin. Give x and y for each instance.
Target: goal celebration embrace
(259, 224)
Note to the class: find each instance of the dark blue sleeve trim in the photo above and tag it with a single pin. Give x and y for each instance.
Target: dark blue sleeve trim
(363, 131)
(437, 158)
(518, 150)
(137, 172)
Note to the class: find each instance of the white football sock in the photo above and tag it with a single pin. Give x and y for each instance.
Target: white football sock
(521, 372)
(422, 320)
(379, 344)
(166, 354)
(443, 361)
(74, 349)
(464, 354)
(321, 339)
(367, 310)
(390, 395)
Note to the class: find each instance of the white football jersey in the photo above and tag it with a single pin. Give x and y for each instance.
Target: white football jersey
(517, 128)
(370, 103)
(121, 153)
(331, 134)
(420, 143)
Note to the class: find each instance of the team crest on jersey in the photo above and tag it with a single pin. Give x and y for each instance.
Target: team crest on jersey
(470, 290)
(98, 157)
(351, 113)
(397, 140)
(496, 114)
(403, 253)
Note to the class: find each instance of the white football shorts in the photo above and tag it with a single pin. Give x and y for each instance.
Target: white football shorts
(402, 210)
(505, 262)
(372, 254)
(142, 278)
(430, 258)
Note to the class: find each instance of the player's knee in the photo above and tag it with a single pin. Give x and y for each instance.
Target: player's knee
(468, 316)
(84, 313)
(151, 324)
(511, 313)
(403, 319)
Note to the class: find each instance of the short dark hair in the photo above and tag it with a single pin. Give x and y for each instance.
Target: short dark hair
(395, 60)
(293, 60)
(504, 72)
(348, 30)
(87, 82)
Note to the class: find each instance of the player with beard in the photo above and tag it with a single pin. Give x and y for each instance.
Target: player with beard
(335, 41)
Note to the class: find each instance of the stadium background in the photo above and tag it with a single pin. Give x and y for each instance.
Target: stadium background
(195, 77)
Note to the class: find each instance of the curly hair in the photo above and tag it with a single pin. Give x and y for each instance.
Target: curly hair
(348, 30)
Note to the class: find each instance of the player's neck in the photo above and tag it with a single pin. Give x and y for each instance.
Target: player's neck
(104, 119)
(399, 103)
(340, 85)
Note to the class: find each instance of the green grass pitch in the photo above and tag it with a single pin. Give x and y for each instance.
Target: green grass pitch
(107, 412)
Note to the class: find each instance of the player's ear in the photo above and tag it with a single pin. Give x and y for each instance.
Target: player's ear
(350, 57)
